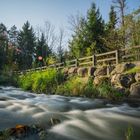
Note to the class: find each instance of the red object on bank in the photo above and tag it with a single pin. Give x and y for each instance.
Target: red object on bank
(40, 58)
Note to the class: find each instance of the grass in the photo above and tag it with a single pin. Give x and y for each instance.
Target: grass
(52, 81)
(133, 70)
(107, 91)
(42, 81)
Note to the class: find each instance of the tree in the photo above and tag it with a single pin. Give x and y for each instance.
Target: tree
(94, 30)
(42, 50)
(78, 43)
(112, 38)
(120, 5)
(112, 19)
(86, 39)
(26, 46)
(60, 49)
(3, 45)
(132, 30)
(13, 35)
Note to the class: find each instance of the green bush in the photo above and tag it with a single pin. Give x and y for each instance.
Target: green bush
(75, 86)
(107, 91)
(90, 90)
(42, 81)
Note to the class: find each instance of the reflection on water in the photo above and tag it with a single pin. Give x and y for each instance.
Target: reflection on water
(81, 118)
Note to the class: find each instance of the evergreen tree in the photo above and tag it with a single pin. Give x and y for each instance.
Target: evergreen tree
(3, 45)
(112, 19)
(112, 38)
(94, 30)
(26, 46)
(78, 43)
(13, 35)
(42, 51)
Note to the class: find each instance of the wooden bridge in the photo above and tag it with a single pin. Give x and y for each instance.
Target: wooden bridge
(97, 60)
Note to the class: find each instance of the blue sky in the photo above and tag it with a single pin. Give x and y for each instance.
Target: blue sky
(56, 11)
(17, 12)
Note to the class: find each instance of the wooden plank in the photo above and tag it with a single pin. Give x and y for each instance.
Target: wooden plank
(85, 63)
(84, 58)
(102, 54)
(130, 55)
(107, 59)
(130, 48)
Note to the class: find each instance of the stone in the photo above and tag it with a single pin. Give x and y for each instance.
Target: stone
(65, 71)
(135, 90)
(121, 68)
(82, 72)
(115, 79)
(100, 79)
(137, 77)
(72, 70)
(91, 71)
(122, 90)
(101, 71)
(124, 80)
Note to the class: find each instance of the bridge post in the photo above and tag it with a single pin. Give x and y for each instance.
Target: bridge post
(94, 60)
(76, 62)
(117, 57)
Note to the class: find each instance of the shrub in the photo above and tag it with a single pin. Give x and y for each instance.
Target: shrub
(42, 81)
(75, 86)
(90, 90)
(107, 91)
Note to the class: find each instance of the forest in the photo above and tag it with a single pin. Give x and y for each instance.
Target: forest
(33, 47)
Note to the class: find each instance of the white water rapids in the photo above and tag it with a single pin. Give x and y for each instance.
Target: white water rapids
(81, 118)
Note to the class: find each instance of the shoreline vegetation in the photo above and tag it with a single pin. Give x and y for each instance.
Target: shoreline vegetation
(121, 84)
(52, 81)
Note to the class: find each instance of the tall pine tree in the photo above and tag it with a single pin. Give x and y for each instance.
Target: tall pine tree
(26, 46)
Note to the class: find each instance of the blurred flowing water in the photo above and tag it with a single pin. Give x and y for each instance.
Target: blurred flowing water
(81, 118)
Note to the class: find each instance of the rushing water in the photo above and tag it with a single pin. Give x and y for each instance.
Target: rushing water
(81, 118)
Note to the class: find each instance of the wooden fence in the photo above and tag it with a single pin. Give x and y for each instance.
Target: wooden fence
(109, 58)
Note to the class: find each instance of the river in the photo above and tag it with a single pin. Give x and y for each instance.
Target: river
(81, 118)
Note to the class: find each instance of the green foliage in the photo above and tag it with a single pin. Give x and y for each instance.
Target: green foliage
(86, 39)
(26, 45)
(42, 50)
(133, 70)
(107, 91)
(129, 132)
(90, 90)
(41, 82)
(76, 86)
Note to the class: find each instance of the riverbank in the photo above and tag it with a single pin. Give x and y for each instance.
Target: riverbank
(122, 81)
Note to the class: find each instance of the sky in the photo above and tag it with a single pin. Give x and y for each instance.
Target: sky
(17, 12)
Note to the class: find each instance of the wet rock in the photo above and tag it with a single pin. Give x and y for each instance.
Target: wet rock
(135, 90)
(54, 121)
(121, 68)
(82, 72)
(137, 77)
(101, 71)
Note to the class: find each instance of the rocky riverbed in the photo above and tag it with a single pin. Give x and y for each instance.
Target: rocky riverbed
(66, 118)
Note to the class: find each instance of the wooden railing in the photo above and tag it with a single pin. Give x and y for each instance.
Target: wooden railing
(97, 60)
